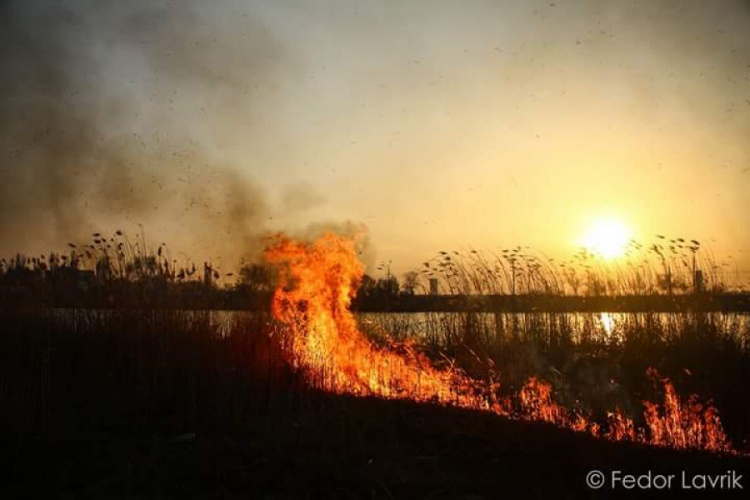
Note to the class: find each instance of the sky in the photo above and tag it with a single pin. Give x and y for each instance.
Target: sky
(434, 125)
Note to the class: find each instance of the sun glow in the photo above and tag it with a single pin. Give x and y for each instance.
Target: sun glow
(607, 238)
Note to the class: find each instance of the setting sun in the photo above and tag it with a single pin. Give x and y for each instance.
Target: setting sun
(607, 238)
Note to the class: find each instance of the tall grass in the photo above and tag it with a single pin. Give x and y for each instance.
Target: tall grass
(595, 361)
(181, 372)
(665, 266)
(116, 257)
(145, 368)
(136, 370)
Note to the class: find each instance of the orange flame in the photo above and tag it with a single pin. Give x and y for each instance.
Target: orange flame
(317, 281)
(536, 403)
(680, 424)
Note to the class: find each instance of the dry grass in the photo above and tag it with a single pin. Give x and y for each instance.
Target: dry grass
(664, 266)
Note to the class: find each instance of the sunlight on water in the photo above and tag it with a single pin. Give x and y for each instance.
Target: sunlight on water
(606, 327)
(608, 323)
(441, 328)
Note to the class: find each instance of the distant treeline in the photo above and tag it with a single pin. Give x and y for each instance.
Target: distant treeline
(116, 271)
(379, 296)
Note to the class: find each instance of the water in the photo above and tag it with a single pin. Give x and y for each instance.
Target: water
(446, 328)
(606, 327)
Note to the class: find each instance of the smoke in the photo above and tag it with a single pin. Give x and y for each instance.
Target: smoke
(115, 114)
(366, 252)
(300, 197)
(211, 123)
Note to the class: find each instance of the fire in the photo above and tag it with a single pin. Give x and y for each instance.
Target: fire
(680, 424)
(535, 399)
(317, 281)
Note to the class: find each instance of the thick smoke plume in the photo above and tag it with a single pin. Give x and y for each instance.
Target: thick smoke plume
(113, 115)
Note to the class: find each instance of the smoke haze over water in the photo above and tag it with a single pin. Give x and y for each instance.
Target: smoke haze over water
(437, 124)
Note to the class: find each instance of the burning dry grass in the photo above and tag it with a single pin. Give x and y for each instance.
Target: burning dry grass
(317, 281)
(139, 402)
(674, 423)
(317, 284)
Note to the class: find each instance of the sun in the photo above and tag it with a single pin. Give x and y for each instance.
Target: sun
(607, 238)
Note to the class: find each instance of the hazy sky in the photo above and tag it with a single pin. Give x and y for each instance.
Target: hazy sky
(437, 124)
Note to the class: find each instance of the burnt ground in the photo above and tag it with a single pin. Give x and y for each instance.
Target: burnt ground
(321, 446)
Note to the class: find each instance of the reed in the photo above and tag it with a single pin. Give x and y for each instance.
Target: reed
(664, 266)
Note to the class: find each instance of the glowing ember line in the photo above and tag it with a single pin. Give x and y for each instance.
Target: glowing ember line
(317, 281)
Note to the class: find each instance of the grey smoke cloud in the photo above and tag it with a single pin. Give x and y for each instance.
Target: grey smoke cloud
(301, 196)
(440, 123)
(111, 113)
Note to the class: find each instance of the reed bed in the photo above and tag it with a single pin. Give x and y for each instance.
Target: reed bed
(146, 368)
(594, 361)
(662, 266)
(137, 370)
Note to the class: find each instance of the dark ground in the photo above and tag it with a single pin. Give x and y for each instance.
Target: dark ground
(340, 447)
(158, 404)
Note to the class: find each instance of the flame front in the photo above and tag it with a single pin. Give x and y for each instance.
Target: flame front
(317, 281)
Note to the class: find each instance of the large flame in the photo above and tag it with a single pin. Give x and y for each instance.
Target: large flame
(316, 284)
(317, 281)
